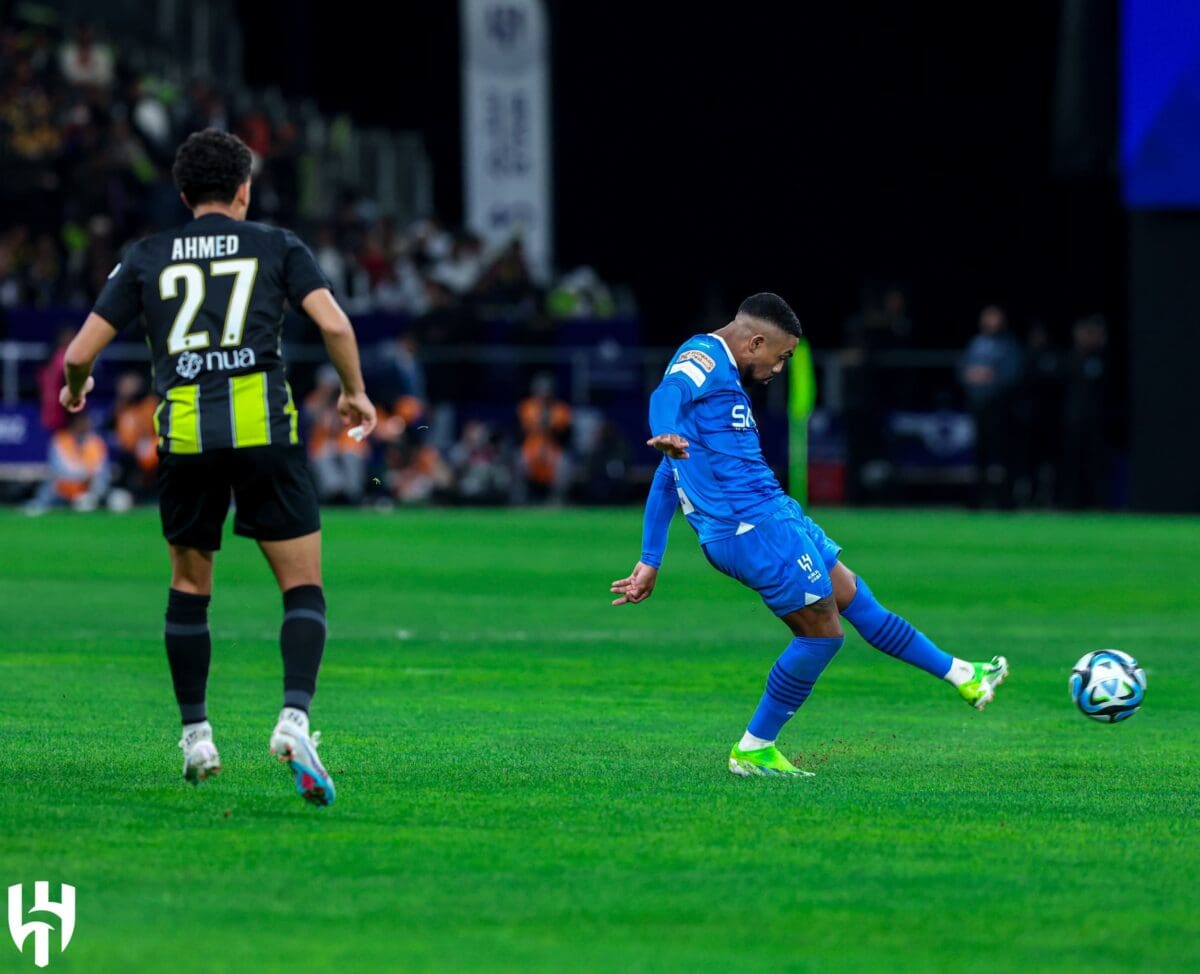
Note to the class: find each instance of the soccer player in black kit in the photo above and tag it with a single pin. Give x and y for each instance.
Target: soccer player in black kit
(211, 295)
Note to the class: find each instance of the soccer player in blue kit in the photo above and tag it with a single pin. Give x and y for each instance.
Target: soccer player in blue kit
(749, 529)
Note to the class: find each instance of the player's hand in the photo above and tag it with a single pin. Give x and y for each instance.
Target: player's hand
(357, 410)
(637, 587)
(73, 403)
(672, 444)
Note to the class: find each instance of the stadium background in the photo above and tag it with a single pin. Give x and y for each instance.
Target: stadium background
(889, 185)
(528, 778)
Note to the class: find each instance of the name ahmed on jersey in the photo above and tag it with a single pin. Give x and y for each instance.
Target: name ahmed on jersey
(201, 248)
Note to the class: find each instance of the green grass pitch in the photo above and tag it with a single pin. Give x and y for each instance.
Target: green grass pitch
(531, 780)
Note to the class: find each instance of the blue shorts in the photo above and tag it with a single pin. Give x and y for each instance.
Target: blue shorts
(787, 560)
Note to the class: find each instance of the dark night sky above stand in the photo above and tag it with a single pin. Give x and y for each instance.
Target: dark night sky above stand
(799, 148)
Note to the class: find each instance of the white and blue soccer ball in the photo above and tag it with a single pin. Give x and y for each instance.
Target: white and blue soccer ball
(1108, 685)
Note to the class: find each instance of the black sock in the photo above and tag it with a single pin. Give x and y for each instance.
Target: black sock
(302, 641)
(189, 650)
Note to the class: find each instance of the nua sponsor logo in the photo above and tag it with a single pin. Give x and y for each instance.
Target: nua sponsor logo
(191, 364)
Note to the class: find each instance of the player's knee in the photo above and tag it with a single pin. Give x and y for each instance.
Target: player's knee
(191, 571)
(845, 586)
(817, 621)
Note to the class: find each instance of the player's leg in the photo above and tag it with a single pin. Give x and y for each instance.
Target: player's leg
(189, 654)
(193, 502)
(817, 636)
(296, 564)
(277, 506)
(778, 560)
(894, 635)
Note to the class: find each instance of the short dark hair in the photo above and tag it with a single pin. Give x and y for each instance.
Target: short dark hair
(771, 307)
(210, 166)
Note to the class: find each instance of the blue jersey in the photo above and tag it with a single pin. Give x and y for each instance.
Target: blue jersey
(725, 486)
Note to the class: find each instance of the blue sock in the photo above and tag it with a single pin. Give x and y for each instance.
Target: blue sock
(894, 635)
(790, 682)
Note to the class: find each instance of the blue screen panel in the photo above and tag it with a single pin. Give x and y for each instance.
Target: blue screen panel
(1160, 103)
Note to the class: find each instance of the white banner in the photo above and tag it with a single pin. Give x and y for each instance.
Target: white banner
(506, 125)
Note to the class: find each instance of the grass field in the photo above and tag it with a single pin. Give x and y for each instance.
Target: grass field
(531, 780)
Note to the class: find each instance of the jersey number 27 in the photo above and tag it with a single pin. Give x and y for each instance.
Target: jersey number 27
(181, 338)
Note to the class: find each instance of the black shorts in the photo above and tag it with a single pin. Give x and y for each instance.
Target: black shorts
(272, 486)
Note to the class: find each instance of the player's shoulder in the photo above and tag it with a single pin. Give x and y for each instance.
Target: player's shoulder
(700, 358)
(139, 254)
(705, 350)
(267, 234)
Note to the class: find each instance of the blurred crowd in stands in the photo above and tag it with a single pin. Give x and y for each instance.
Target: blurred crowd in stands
(1045, 415)
(1043, 418)
(85, 154)
(543, 453)
(1042, 413)
(86, 145)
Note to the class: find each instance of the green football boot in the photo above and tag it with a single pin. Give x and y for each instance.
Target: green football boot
(980, 691)
(765, 762)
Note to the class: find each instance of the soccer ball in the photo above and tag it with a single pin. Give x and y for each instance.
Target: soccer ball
(1108, 685)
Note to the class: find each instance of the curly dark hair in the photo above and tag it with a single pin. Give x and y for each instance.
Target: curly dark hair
(210, 166)
(771, 307)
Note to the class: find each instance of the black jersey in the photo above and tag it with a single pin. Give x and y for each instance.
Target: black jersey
(212, 293)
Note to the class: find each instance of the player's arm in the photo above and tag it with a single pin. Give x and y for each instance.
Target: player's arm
(85, 348)
(118, 305)
(660, 507)
(338, 334)
(666, 403)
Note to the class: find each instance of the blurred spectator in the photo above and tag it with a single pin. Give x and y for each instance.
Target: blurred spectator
(86, 63)
(136, 460)
(881, 325)
(50, 383)
(283, 168)
(506, 281)
(416, 472)
(990, 371)
(151, 120)
(397, 372)
(206, 109)
(1041, 417)
(11, 288)
(78, 469)
(373, 256)
(460, 272)
(330, 258)
(477, 460)
(581, 294)
(27, 113)
(44, 274)
(546, 424)
(604, 465)
(1085, 472)
(339, 464)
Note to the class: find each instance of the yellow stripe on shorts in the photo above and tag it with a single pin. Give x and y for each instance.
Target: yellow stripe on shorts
(183, 429)
(250, 410)
(290, 411)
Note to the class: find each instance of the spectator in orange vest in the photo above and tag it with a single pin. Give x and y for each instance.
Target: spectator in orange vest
(546, 423)
(78, 468)
(133, 423)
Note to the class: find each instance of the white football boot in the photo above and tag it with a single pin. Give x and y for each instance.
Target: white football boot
(293, 746)
(200, 757)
